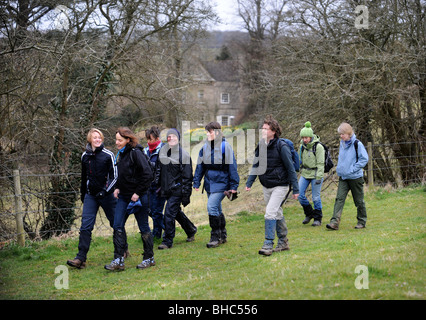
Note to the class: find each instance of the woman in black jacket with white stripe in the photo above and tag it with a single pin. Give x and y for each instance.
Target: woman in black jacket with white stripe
(98, 177)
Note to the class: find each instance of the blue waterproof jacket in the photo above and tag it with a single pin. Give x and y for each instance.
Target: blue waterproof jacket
(220, 173)
(347, 165)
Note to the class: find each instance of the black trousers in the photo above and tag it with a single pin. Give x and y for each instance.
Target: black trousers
(174, 213)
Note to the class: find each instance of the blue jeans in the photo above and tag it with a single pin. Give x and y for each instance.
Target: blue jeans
(90, 209)
(214, 203)
(156, 204)
(141, 215)
(316, 192)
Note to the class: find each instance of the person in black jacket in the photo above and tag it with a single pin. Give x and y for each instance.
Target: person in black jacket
(134, 178)
(174, 176)
(278, 173)
(98, 177)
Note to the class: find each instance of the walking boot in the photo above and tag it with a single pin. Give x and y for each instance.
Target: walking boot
(76, 263)
(317, 215)
(119, 240)
(116, 265)
(268, 245)
(148, 251)
(307, 209)
(223, 232)
(282, 243)
(215, 233)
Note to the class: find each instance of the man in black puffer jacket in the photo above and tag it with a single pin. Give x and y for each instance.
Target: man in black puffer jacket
(174, 176)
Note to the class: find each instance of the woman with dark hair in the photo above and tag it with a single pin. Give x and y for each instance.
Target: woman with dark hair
(156, 202)
(217, 164)
(98, 177)
(134, 179)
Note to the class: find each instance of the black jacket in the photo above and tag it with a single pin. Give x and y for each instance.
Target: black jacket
(279, 170)
(98, 172)
(174, 172)
(134, 172)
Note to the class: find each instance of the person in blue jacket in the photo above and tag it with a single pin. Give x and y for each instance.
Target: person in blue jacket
(352, 158)
(217, 164)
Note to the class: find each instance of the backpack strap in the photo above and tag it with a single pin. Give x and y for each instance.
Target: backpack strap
(356, 149)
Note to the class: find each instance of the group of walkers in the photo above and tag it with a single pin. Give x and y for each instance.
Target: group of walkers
(159, 178)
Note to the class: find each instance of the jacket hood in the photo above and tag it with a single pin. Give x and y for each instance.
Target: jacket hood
(89, 149)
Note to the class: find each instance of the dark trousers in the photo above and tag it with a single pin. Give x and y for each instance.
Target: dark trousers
(121, 216)
(90, 209)
(174, 213)
(356, 186)
(156, 205)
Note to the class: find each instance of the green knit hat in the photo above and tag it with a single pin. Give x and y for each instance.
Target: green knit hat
(307, 131)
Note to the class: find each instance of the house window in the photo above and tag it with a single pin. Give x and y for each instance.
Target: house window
(224, 98)
(225, 121)
(200, 95)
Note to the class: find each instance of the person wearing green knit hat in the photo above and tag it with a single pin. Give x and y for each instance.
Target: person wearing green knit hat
(312, 158)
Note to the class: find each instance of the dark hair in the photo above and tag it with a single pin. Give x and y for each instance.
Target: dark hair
(273, 125)
(128, 134)
(213, 125)
(153, 131)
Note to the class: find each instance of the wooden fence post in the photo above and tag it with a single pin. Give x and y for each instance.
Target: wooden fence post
(19, 214)
(370, 165)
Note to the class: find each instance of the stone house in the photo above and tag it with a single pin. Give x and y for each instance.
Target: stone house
(215, 92)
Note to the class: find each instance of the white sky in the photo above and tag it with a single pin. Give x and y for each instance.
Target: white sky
(228, 12)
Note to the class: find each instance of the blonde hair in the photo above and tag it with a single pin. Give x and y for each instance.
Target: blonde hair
(92, 131)
(345, 128)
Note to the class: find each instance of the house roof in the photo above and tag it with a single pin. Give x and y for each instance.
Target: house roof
(223, 70)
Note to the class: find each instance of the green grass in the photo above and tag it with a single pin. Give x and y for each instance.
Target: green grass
(320, 265)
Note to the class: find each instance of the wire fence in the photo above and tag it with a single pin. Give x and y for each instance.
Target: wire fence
(24, 199)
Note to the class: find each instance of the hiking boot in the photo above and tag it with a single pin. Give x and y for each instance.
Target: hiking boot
(307, 219)
(359, 226)
(316, 223)
(281, 246)
(146, 263)
(163, 246)
(76, 263)
(308, 211)
(266, 250)
(116, 265)
(332, 226)
(215, 233)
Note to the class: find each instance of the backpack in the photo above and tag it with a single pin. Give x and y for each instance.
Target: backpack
(328, 162)
(294, 154)
(151, 165)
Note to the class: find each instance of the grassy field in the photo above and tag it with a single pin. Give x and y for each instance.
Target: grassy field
(321, 264)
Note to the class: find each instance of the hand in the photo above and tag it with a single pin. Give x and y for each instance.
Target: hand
(248, 189)
(295, 196)
(135, 197)
(116, 192)
(186, 200)
(318, 181)
(196, 189)
(233, 191)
